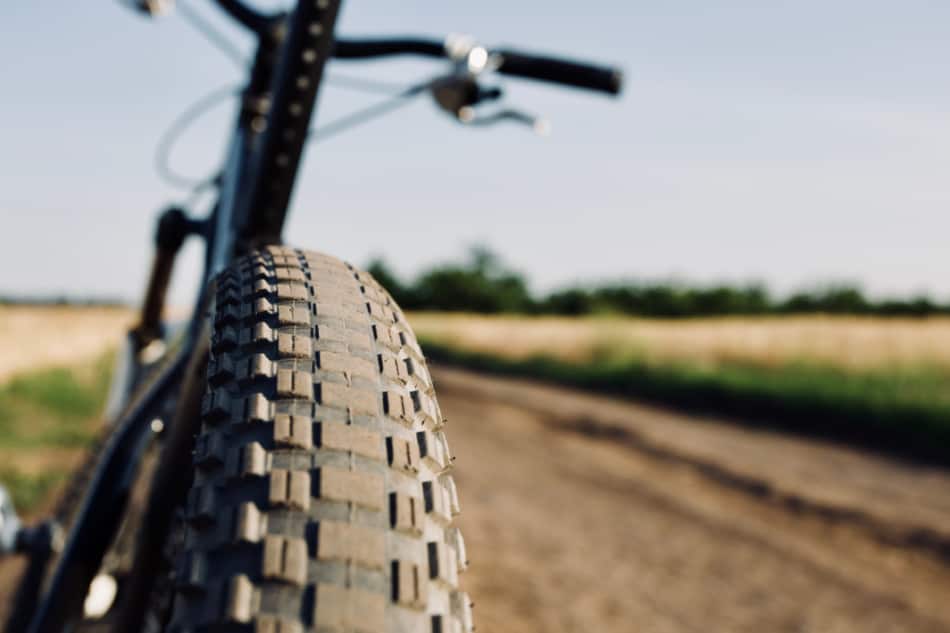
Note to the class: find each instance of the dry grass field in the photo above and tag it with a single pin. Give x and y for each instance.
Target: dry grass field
(34, 337)
(848, 343)
(882, 383)
(587, 513)
(38, 336)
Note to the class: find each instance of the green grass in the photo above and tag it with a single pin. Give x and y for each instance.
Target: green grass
(29, 490)
(53, 407)
(49, 408)
(904, 412)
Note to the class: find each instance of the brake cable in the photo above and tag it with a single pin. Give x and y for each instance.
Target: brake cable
(212, 34)
(398, 93)
(367, 114)
(174, 131)
(206, 103)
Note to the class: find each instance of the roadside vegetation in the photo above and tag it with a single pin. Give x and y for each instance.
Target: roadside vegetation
(826, 360)
(47, 418)
(484, 284)
(878, 382)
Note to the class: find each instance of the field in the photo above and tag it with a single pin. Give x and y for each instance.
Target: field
(54, 374)
(46, 336)
(881, 382)
(47, 418)
(583, 512)
(846, 343)
(871, 380)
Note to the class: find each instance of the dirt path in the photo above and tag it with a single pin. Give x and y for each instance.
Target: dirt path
(583, 513)
(589, 514)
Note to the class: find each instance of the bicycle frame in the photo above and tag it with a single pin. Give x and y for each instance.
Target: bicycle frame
(255, 188)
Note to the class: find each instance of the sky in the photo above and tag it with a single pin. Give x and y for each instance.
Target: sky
(791, 143)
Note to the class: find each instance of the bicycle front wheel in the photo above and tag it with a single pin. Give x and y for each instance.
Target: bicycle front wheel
(321, 499)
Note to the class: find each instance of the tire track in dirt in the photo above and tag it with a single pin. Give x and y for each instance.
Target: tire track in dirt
(585, 513)
(932, 540)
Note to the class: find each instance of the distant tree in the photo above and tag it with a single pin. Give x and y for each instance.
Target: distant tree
(403, 295)
(834, 299)
(917, 306)
(484, 261)
(482, 283)
(572, 302)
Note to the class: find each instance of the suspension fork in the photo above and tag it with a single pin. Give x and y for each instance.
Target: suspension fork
(173, 227)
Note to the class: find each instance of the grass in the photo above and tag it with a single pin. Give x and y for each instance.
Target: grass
(873, 382)
(46, 418)
(850, 343)
(29, 491)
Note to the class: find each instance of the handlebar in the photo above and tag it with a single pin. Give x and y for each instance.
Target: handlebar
(560, 71)
(367, 48)
(510, 62)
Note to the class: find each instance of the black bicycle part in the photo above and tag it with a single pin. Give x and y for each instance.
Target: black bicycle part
(103, 508)
(41, 542)
(296, 80)
(454, 92)
(173, 227)
(167, 492)
(560, 71)
(369, 48)
(510, 62)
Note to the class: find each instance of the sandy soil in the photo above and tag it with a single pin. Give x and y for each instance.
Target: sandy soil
(583, 513)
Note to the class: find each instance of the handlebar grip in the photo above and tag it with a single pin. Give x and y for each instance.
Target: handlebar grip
(577, 74)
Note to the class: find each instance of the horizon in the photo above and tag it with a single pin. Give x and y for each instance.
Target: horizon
(629, 281)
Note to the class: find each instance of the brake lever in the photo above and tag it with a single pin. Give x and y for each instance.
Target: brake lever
(457, 91)
(151, 7)
(540, 125)
(460, 92)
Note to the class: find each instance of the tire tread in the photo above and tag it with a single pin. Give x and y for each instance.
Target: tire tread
(322, 497)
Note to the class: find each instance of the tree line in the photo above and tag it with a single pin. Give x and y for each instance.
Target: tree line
(483, 284)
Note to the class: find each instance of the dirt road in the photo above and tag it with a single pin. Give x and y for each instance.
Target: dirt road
(585, 514)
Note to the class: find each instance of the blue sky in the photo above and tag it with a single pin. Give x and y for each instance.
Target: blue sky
(785, 142)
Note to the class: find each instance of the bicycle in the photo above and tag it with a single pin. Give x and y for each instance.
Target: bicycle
(298, 466)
